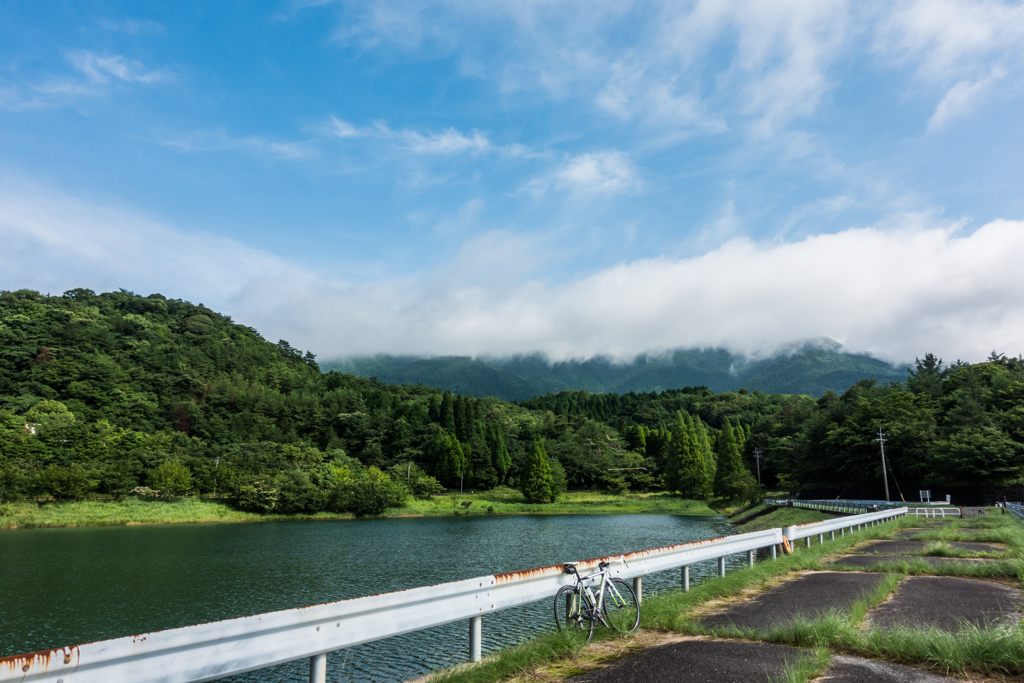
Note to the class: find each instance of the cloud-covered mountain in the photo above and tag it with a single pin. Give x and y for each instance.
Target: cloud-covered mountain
(807, 368)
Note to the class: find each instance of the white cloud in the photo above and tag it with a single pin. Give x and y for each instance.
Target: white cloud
(100, 68)
(218, 140)
(961, 99)
(335, 127)
(608, 172)
(101, 74)
(134, 27)
(450, 141)
(960, 47)
(897, 293)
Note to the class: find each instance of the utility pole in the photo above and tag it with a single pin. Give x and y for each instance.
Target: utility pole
(757, 459)
(885, 475)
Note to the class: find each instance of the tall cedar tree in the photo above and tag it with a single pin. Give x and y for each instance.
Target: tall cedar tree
(502, 459)
(538, 485)
(452, 464)
(461, 419)
(690, 465)
(732, 480)
(448, 412)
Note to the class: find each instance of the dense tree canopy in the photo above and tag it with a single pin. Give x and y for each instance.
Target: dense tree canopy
(99, 391)
(117, 393)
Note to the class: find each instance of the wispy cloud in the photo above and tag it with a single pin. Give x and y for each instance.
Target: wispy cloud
(100, 75)
(960, 47)
(220, 141)
(134, 27)
(606, 172)
(102, 68)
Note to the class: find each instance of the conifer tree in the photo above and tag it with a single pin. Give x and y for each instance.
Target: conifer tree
(537, 484)
(732, 480)
(461, 420)
(502, 459)
(689, 467)
(448, 412)
(452, 464)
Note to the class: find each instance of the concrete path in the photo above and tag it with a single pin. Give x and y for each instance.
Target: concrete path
(725, 661)
(810, 596)
(853, 670)
(917, 547)
(698, 661)
(947, 603)
(874, 561)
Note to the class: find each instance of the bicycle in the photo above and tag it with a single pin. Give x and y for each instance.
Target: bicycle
(615, 606)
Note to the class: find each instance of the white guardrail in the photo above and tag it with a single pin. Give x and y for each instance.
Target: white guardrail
(217, 649)
(840, 524)
(1016, 509)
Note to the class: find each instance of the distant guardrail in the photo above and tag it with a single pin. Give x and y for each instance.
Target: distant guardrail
(209, 651)
(1016, 509)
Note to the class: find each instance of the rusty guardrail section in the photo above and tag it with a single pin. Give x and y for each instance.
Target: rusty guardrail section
(213, 650)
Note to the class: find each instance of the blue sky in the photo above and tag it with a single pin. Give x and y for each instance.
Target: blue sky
(576, 178)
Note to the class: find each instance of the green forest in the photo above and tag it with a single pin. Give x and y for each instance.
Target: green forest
(117, 394)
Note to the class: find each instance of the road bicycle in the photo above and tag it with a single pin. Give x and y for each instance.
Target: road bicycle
(614, 606)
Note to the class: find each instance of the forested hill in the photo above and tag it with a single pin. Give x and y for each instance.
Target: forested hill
(812, 368)
(102, 390)
(111, 392)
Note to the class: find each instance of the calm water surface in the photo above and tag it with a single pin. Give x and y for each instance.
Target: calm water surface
(66, 586)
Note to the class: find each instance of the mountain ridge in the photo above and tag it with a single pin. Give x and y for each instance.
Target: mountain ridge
(810, 368)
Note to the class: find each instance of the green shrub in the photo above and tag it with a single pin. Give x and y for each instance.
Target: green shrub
(256, 497)
(64, 483)
(297, 494)
(171, 479)
(368, 493)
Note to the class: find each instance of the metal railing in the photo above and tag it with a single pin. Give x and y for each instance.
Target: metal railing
(217, 649)
(840, 524)
(1016, 509)
(936, 513)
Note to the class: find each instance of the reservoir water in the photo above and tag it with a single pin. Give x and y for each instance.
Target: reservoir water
(68, 586)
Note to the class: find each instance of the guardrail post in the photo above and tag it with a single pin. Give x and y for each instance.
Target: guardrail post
(318, 668)
(686, 578)
(833, 537)
(750, 558)
(638, 589)
(821, 539)
(721, 566)
(775, 551)
(807, 542)
(475, 628)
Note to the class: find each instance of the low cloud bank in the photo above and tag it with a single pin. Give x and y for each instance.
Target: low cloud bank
(895, 293)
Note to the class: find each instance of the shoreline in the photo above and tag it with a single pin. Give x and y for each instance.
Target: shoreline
(135, 512)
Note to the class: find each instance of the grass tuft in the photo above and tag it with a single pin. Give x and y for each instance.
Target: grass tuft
(806, 668)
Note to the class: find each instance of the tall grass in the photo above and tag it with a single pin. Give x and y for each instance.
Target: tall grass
(807, 667)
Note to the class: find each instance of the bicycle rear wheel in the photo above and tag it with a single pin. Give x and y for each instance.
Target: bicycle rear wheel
(573, 611)
(621, 609)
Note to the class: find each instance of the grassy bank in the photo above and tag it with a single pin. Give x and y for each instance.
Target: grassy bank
(587, 503)
(28, 515)
(783, 517)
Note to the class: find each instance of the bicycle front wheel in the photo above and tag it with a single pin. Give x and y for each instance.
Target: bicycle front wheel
(621, 609)
(573, 611)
